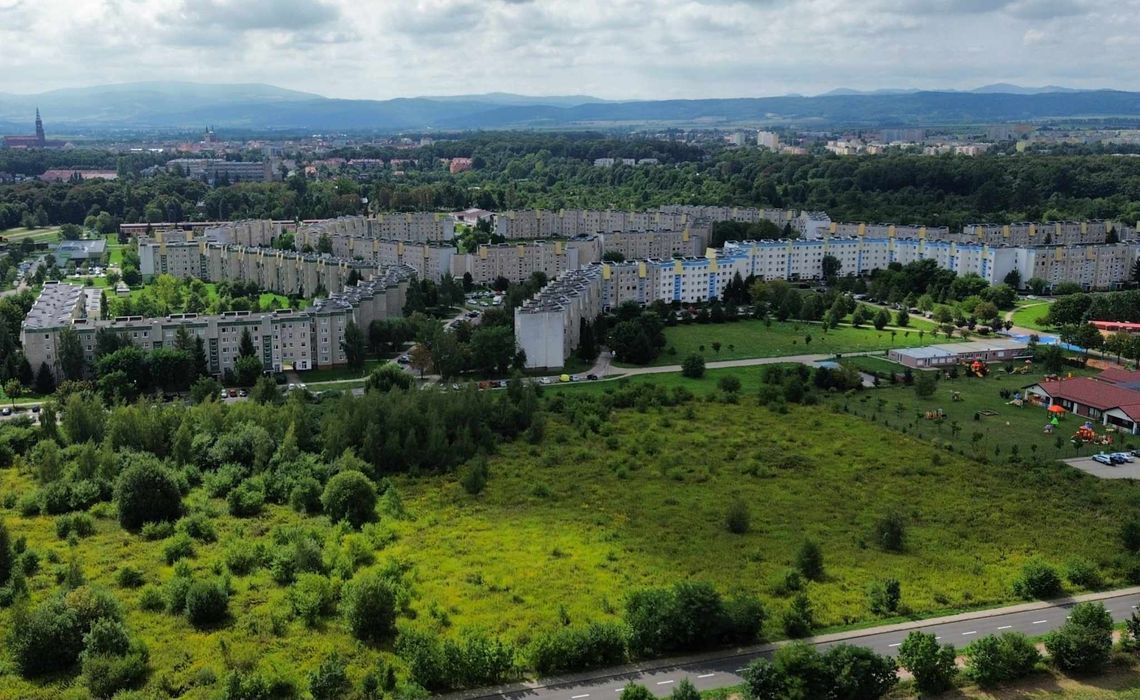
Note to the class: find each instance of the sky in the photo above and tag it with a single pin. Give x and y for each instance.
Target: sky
(614, 49)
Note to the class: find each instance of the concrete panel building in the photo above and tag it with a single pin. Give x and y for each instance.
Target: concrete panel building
(285, 339)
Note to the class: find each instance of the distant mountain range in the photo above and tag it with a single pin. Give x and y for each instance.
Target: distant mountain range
(177, 105)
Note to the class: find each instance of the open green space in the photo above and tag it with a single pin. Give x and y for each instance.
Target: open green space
(1027, 315)
(330, 374)
(874, 363)
(754, 338)
(1012, 430)
(567, 528)
(114, 249)
(47, 234)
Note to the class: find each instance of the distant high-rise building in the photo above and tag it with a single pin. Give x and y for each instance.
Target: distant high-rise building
(767, 139)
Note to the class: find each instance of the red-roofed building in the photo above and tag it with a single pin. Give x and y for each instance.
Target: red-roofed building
(1093, 398)
(1127, 378)
(1116, 326)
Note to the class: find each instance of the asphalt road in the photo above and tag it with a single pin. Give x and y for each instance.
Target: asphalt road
(722, 671)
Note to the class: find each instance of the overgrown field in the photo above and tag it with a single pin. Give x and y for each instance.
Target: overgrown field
(567, 528)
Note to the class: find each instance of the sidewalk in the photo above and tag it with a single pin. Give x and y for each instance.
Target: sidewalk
(846, 636)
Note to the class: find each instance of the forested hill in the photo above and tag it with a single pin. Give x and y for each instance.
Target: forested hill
(265, 107)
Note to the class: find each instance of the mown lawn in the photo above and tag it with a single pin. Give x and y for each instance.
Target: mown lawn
(1027, 315)
(753, 338)
(47, 234)
(576, 523)
(1014, 430)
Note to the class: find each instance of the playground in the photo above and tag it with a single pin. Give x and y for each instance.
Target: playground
(983, 413)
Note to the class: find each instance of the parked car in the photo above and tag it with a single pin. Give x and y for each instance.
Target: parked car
(36, 408)
(233, 393)
(592, 377)
(1126, 456)
(243, 393)
(403, 359)
(1116, 458)
(6, 411)
(545, 380)
(1103, 458)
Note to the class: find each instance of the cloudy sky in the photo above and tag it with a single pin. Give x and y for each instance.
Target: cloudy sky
(609, 48)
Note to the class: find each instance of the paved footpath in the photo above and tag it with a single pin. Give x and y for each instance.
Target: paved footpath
(724, 668)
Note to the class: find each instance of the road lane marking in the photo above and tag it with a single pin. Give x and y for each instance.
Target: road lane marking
(579, 697)
(938, 637)
(894, 645)
(1039, 622)
(967, 634)
(665, 682)
(1005, 627)
(707, 675)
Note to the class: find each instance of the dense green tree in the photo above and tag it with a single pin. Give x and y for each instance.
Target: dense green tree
(70, 352)
(146, 493)
(350, 496)
(354, 345)
(369, 607)
(931, 665)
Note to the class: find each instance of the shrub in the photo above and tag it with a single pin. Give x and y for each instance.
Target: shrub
(246, 500)
(241, 558)
(999, 658)
(475, 661)
(157, 531)
(146, 493)
(6, 554)
(693, 366)
(1083, 644)
(306, 496)
(1083, 573)
(1130, 535)
(685, 617)
(738, 520)
(633, 691)
(885, 596)
(311, 597)
(809, 560)
(931, 665)
(474, 476)
(250, 685)
(350, 496)
(178, 547)
(890, 532)
(369, 606)
(49, 637)
(129, 577)
(685, 690)
(207, 603)
(858, 672)
(570, 649)
(798, 619)
(729, 384)
(151, 599)
(1037, 580)
(111, 660)
(79, 524)
(199, 527)
(329, 681)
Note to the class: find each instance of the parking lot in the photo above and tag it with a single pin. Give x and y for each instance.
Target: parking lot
(1128, 470)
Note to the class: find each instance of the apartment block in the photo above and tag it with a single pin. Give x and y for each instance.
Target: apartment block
(548, 327)
(285, 339)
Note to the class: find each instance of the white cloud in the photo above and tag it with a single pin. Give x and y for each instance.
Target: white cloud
(612, 48)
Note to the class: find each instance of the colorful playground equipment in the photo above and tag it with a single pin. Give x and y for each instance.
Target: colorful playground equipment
(976, 368)
(1086, 435)
(935, 415)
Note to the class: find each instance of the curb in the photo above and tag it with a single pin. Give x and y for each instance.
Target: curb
(657, 664)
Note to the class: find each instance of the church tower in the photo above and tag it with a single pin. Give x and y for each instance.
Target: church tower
(40, 129)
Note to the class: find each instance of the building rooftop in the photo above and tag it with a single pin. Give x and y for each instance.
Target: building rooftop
(56, 306)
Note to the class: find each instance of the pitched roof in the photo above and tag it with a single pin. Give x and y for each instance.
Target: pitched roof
(1090, 392)
(1122, 377)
